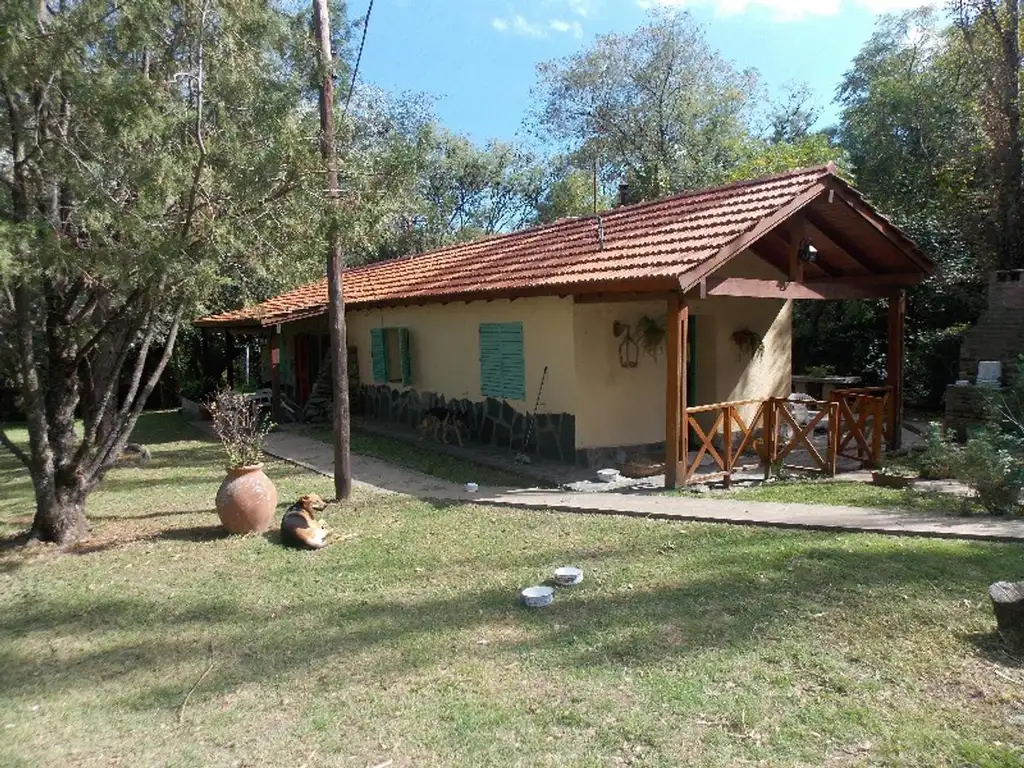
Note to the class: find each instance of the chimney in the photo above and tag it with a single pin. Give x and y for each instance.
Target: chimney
(624, 193)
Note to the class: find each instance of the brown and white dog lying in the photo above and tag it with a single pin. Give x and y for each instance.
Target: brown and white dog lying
(299, 526)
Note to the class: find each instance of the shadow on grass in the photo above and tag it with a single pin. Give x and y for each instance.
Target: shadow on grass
(733, 602)
(1003, 648)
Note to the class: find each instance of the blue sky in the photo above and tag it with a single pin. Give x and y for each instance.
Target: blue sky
(477, 57)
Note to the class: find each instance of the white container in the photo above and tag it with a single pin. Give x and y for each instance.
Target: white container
(568, 576)
(537, 597)
(608, 475)
(472, 487)
(990, 373)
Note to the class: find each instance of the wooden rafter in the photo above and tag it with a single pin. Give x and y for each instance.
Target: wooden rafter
(819, 228)
(818, 290)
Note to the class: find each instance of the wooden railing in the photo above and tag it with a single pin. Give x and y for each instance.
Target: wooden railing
(738, 437)
(854, 420)
(862, 423)
(801, 434)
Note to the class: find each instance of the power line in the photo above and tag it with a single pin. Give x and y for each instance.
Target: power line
(359, 58)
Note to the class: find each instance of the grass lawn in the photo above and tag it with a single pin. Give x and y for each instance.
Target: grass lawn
(429, 462)
(686, 644)
(851, 494)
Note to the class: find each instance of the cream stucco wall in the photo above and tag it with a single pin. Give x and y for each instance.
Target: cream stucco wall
(621, 406)
(613, 406)
(445, 347)
(616, 406)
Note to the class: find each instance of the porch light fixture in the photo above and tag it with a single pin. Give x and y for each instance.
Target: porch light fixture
(808, 253)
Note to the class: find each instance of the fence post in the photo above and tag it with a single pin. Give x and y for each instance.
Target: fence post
(727, 444)
(768, 437)
(876, 433)
(834, 433)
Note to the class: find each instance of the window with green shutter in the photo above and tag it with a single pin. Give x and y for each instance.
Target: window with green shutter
(502, 366)
(391, 355)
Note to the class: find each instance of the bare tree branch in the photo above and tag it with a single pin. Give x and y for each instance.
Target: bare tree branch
(118, 437)
(19, 454)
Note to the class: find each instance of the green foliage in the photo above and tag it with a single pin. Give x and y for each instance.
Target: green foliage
(915, 139)
(764, 157)
(570, 192)
(993, 466)
(658, 107)
(938, 460)
(992, 461)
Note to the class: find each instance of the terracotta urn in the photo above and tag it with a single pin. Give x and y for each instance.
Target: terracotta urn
(246, 500)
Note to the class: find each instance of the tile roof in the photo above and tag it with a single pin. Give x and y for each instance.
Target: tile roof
(651, 242)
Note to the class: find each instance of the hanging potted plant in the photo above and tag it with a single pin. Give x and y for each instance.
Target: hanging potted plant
(749, 343)
(650, 335)
(247, 499)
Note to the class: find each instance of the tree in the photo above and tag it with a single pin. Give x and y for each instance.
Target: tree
(467, 191)
(992, 33)
(659, 107)
(570, 191)
(916, 147)
(147, 147)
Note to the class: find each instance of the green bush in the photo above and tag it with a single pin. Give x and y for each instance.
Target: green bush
(991, 465)
(939, 458)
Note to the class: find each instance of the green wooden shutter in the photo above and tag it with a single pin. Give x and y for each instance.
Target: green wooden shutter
(403, 348)
(502, 369)
(378, 355)
(490, 359)
(513, 366)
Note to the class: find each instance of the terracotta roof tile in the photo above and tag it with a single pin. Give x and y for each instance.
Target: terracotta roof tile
(659, 240)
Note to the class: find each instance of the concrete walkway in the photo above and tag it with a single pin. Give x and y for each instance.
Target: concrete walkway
(380, 476)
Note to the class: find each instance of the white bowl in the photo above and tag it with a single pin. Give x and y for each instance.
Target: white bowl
(472, 487)
(537, 597)
(568, 575)
(608, 475)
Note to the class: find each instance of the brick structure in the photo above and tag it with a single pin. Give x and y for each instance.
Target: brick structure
(998, 335)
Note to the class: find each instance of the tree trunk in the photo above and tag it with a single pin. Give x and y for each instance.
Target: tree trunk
(336, 261)
(60, 511)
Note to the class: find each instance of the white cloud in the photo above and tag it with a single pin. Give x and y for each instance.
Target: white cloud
(791, 10)
(559, 25)
(581, 7)
(516, 24)
(523, 27)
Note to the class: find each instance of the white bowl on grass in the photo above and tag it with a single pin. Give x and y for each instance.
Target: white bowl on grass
(537, 597)
(568, 576)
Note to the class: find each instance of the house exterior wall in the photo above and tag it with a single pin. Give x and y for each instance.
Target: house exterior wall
(616, 406)
(593, 406)
(445, 347)
(624, 408)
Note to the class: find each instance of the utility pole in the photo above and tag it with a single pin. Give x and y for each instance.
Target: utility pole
(335, 262)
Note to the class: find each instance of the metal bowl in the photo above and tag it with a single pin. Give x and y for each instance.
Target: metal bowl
(568, 575)
(537, 597)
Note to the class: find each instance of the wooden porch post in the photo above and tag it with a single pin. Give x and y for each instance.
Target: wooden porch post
(275, 373)
(676, 442)
(894, 367)
(229, 353)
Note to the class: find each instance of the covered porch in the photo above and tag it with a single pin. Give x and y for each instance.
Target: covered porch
(833, 247)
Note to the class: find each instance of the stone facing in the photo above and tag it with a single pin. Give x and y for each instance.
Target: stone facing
(492, 422)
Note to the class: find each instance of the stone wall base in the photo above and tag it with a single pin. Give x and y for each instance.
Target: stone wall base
(492, 422)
